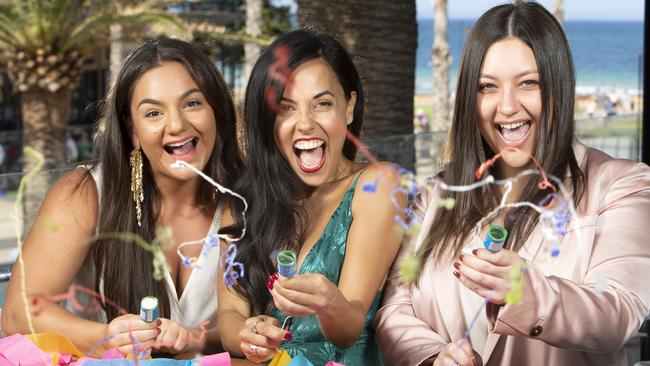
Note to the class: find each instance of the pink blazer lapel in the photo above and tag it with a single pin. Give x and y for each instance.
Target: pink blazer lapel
(490, 344)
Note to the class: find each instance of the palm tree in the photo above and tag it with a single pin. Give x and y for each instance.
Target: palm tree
(381, 36)
(441, 63)
(254, 23)
(44, 45)
(558, 10)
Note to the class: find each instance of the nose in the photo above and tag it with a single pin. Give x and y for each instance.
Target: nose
(305, 121)
(509, 102)
(175, 122)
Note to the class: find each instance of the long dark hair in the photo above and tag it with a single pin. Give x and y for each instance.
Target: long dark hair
(269, 184)
(540, 30)
(124, 267)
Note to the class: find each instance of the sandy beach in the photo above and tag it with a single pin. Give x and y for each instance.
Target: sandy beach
(590, 102)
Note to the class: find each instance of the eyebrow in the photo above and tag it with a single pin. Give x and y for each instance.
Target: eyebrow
(326, 92)
(531, 71)
(157, 102)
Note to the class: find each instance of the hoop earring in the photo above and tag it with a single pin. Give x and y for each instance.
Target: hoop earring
(135, 160)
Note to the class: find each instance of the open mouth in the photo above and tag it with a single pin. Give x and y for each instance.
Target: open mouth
(181, 148)
(514, 133)
(310, 154)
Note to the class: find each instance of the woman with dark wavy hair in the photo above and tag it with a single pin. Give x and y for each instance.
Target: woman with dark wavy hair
(540, 300)
(306, 194)
(168, 103)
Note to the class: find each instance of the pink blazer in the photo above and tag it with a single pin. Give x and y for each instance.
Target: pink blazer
(562, 318)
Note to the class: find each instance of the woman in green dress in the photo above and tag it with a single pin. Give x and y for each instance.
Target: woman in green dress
(307, 194)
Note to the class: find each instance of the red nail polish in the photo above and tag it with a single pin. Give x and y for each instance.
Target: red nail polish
(158, 322)
(475, 251)
(270, 285)
(288, 336)
(461, 257)
(456, 265)
(276, 276)
(457, 274)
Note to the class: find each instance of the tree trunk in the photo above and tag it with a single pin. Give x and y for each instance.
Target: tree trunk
(381, 36)
(45, 118)
(558, 10)
(441, 65)
(123, 41)
(254, 21)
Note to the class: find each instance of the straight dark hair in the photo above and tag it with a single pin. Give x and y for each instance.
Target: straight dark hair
(540, 30)
(274, 221)
(124, 267)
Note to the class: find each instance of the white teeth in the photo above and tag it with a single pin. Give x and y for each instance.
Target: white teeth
(308, 145)
(179, 144)
(511, 126)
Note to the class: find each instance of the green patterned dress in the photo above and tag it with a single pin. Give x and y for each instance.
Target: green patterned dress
(326, 257)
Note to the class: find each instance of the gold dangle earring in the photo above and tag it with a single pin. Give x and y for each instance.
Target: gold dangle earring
(135, 161)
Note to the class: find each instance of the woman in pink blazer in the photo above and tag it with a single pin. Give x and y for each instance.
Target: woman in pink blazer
(586, 286)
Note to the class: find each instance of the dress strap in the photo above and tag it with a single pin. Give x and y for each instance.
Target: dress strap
(355, 181)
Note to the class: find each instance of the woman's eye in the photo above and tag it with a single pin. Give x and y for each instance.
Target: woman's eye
(530, 83)
(193, 103)
(324, 103)
(285, 108)
(485, 86)
(152, 114)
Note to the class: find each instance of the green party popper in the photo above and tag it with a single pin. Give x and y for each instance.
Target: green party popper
(287, 263)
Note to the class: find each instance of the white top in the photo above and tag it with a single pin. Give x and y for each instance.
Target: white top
(199, 299)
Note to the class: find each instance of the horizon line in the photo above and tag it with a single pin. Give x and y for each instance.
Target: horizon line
(565, 20)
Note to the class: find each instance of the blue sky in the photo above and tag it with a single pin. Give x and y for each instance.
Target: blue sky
(630, 10)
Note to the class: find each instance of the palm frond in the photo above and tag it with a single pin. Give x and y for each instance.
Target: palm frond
(64, 25)
(96, 28)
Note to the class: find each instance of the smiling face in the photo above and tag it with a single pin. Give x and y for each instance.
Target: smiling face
(510, 104)
(310, 128)
(172, 120)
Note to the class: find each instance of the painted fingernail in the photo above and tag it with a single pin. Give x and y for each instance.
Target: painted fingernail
(158, 322)
(269, 285)
(288, 336)
(475, 251)
(457, 274)
(276, 276)
(456, 265)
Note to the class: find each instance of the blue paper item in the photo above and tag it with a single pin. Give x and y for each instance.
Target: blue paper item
(370, 187)
(154, 362)
(300, 360)
(219, 359)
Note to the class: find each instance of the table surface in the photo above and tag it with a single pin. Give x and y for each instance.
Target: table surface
(238, 362)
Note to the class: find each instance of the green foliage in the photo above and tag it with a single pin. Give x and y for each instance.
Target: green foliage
(60, 26)
(277, 19)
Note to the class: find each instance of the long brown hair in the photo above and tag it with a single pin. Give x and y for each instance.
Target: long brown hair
(266, 233)
(124, 268)
(536, 27)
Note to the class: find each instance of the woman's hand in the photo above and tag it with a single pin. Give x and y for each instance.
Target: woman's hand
(130, 334)
(490, 275)
(303, 295)
(459, 353)
(176, 339)
(261, 337)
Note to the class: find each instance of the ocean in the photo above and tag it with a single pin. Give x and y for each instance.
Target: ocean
(606, 54)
